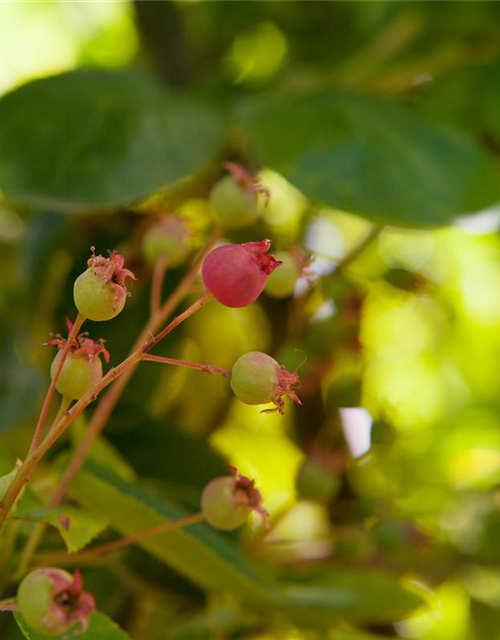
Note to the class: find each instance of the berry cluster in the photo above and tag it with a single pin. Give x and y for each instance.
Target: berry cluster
(51, 600)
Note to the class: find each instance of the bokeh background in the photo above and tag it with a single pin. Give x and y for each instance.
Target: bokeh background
(409, 331)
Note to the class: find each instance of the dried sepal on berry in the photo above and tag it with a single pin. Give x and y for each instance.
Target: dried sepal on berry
(236, 274)
(82, 369)
(52, 602)
(227, 501)
(100, 291)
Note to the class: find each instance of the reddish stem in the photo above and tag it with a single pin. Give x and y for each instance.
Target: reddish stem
(60, 427)
(107, 404)
(207, 368)
(131, 539)
(50, 392)
(9, 606)
(159, 271)
(202, 301)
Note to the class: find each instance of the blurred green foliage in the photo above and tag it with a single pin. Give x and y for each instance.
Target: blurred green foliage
(353, 114)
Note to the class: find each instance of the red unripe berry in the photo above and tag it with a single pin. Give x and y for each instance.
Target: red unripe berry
(236, 274)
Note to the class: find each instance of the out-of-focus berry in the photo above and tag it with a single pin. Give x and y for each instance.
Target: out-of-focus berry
(227, 501)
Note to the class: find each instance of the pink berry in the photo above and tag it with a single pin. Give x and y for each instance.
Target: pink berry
(227, 501)
(236, 274)
(52, 602)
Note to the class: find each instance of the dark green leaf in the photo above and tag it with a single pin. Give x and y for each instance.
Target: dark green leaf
(94, 138)
(368, 157)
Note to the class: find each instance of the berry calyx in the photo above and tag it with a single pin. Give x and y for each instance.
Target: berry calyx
(100, 292)
(235, 197)
(227, 501)
(236, 274)
(281, 283)
(82, 369)
(256, 378)
(52, 602)
(166, 239)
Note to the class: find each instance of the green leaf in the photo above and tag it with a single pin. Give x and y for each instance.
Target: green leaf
(362, 595)
(5, 481)
(197, 552)
(95, 138)
(100, 628)
(102, 452)
(369, 157)
(76, 526)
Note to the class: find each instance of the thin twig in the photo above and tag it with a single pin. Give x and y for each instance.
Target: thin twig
(159, 271)
(207, 368)
(105, 407)
(37, 533)
(128, 540)
(50, 392)
(9, 606)
(37, 454)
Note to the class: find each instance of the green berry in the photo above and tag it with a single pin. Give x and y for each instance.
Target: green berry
(79, 374)
(316, 482)
(34, 598)
(96, 299)
(236, 205)
(227, 501)
(218, 505)
(281, 283)
(52, 602)
(254, 378)
(100, 292)
(166, 239)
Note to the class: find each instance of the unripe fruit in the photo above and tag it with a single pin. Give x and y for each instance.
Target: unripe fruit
(52, 602)
(78, 374)
(281, 283)
(256, 378)
(100, 292)
(227, 501)
(217, 505)
(167, 239)
(236, 274)
(82, 368)
(236, 206)
(315, 481)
